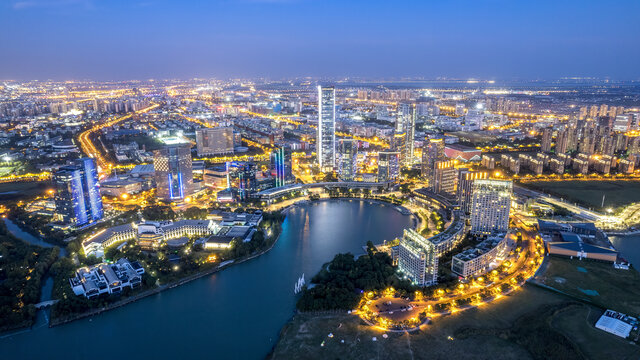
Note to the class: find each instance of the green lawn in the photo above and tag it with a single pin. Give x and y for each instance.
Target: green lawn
(597, 282)
(530, 324)
(21, 190)
(617, 192)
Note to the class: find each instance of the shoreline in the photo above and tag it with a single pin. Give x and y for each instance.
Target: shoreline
(146, 293)
(157, 290)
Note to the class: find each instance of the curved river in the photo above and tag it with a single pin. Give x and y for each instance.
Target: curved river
(234, 314)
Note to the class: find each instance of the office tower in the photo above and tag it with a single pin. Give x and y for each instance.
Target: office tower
(406, 132)
(593, 111)
(398, 143)
(326, 141)
(281, 166)
(348, 149)
(174, 174)
(444, 178)
(403, 113)
(77, 199)
(388, 166)
(417, 259)
(464, 190)
(214, 141)
(545, 144)
(432, 151)
(246, 180)
(490, 205)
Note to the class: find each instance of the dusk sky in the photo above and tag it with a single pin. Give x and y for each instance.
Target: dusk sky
(116, 39)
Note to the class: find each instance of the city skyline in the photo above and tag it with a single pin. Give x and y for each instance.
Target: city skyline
(288, 38)
(302, 179)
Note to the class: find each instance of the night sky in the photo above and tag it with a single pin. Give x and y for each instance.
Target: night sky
(492, 39)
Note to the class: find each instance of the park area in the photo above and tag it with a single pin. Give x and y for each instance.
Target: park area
(531, 323)
(596, 282)
(589, 193)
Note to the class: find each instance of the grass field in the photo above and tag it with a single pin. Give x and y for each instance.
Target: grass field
(597, 282)
(617, 192)
(20, 190)
(532, 323)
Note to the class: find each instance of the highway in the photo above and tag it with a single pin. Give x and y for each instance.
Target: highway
(579, 211)
(89, 148)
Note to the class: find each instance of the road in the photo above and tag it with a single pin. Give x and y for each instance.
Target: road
(579, 211)
(90, 149)
(526, 265)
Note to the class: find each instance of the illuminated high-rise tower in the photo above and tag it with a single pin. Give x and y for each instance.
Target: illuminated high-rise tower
(78, 200)
(388, 166)
(432, 152)
(326, 139)
(490, 205)
(281, 166)
(348, 150)
(174, 174)
(464, 190)
(405, 133)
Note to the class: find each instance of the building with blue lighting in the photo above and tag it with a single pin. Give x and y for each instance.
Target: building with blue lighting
(174, 172)
(281, 166)
(78, 200)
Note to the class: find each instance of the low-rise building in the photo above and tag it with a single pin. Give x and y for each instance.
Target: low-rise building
(106, 278)
(616, 323)
(478, 260)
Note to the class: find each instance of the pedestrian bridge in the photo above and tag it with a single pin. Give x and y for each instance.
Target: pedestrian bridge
(45, 304)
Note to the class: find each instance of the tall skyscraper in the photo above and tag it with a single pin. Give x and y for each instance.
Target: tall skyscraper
(388, 166)
(326, 140)
(281, 166)
(545, 144)
(432, 151)
(348, 150)
(78, 200)
(490, 205)
(214, 141)
(246, 180)
(174, 173)
(464, 190)
(405, 132)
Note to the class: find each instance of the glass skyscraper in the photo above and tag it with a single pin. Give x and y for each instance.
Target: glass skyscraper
(388, 166)
(78, 201)
(348, 149)
(281, 166)
(326, 141)
(174, 173)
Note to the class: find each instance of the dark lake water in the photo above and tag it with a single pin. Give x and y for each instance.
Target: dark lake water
(629, 247)
(234, 314)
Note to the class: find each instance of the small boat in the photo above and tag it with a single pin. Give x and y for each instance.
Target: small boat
(299, 284)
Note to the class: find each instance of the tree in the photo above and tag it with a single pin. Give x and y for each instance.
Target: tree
(158, 212)
(195, 212)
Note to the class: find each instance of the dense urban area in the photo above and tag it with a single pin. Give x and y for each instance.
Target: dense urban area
(112, 192)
